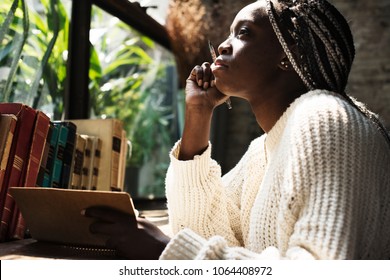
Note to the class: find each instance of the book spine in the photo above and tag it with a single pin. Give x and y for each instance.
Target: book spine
(122, 161)
(68, 155)
(8, 134)
(96, 163)
(43, 166)
(17, 226)
(50, 159)
(78, 162)
(85, 182)
(55, 181)
(109, 131)
(115, 153)
(18, 156)
(37, 147)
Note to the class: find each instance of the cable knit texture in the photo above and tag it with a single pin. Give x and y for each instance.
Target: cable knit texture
(322, 191)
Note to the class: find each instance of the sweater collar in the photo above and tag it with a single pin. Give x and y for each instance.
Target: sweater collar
(273, 136)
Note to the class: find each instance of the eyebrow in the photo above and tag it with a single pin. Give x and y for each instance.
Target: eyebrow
(242, 22)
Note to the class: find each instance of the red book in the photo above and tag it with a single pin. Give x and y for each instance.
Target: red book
(18, 156)
(41, 128)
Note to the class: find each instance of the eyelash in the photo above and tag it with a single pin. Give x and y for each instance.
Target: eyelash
(243, 31)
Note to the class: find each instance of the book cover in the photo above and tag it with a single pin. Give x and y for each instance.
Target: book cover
(55, 180)
(50, 158)
(54, 215)
(78, 159)
(43, 166)
(41, 128)
(68, 154)
(110, 132)
(14, 175)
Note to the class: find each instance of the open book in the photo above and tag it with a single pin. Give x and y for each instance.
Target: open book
(54, 215)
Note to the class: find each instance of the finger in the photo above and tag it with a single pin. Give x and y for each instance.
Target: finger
(113, 229)
(196, 75)
(207, 74)
(101, 228)
(143, 223)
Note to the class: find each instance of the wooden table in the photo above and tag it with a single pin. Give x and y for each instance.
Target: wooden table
(33, 249)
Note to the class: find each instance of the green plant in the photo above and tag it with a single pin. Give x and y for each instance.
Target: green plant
(129, 84)
(12, 40)
(34, 51)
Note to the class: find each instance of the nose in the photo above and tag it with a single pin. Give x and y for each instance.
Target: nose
(225, 47)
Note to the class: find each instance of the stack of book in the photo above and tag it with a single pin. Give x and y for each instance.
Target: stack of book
(71, 154)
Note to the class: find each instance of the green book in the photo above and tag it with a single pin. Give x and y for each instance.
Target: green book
(50, 159)
(55, 181)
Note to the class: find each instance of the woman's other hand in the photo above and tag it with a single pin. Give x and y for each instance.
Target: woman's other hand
(130, 236)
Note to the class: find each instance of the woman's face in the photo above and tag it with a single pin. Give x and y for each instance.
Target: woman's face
(249, 57)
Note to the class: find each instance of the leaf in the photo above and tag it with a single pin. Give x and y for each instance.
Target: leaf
(5, 51)
(19, 42)
(45, 59)
(7, 22)
(95, 69)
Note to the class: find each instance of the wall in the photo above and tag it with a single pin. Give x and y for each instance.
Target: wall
(370, 77)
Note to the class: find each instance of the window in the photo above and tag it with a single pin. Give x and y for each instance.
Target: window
(130, 76)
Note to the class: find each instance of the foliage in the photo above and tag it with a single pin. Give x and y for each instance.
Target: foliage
(129, 84)
(38, 69)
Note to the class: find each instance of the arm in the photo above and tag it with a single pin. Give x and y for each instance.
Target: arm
(198, 198)
(201, 99)
(192, 173)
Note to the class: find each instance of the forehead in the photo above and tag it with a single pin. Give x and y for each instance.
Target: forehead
(254, 12)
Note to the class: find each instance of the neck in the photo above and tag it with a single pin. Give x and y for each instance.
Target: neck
(269, 111)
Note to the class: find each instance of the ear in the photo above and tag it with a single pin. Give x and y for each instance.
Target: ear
(285, 64)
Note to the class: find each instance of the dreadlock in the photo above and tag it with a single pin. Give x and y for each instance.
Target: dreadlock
(324, 46)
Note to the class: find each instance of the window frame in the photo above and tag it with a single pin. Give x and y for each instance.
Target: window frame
(76, 98)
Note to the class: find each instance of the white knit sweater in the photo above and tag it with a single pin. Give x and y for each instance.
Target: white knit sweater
(316, 186)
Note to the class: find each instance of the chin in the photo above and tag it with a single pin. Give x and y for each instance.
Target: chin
(223, 87)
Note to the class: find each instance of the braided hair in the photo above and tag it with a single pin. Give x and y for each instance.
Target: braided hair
(324, 46)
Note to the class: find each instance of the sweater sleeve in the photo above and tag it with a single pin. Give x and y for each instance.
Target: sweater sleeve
(199, 199)
(187, 245)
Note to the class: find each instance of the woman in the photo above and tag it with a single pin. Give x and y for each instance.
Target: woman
(315, 185)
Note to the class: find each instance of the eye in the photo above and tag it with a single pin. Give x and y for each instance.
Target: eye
(243, 31)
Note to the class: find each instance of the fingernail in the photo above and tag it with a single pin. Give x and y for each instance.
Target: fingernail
(200, 82)
(212, 83)
(82, 212)
(206, 85)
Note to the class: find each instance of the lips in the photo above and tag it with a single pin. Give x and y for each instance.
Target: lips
(219, 64)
